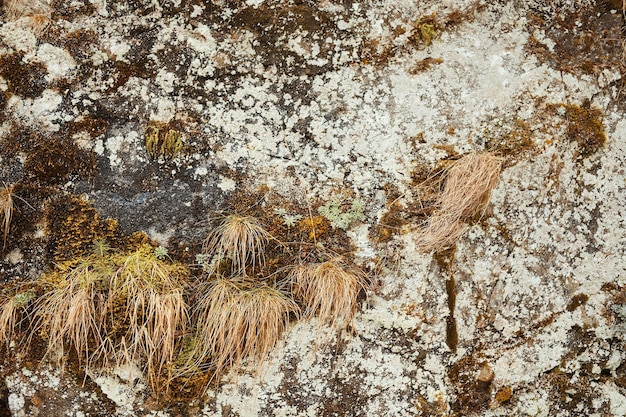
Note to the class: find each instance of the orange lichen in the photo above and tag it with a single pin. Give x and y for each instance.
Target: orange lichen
(314, 226)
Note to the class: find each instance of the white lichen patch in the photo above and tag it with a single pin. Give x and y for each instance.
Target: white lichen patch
(58, 61)
(39, 111)
(121, 386)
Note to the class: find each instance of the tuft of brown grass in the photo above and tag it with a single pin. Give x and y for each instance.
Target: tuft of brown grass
(6, 210)
(74, 312)
(123, 307)
(11, 313)
(8, 319)
(468, 186)
(328, 290)
(239, 320)
(36, 13)
(240, 239)
(155, 311)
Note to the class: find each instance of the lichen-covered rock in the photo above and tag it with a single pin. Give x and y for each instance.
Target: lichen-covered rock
(304, 100)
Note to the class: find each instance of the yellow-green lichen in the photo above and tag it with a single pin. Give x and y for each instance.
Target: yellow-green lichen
(342, 210)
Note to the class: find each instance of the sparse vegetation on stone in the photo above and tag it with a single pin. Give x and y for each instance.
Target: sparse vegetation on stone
(121, 307)
(11, 309)
(163, 142)
(342, 211)
(6, 210)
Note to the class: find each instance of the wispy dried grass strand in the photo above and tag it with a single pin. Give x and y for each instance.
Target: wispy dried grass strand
(6, 210)
(8, 320)
(468, 186)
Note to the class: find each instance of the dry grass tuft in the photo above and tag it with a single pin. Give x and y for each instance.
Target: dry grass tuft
(74, 312)
(155, 311)
(36, 13)
(8, 319)
(121, 307)
(328, 290)
(237, 320)
(240, 239)
(11, 313)
(6, 210)
(468, 186)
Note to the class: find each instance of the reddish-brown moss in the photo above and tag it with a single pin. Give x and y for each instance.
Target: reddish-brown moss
(25, 79)
(514, 141)
(51, 159)
(585, 40)
(577, 301)
(584, 126)
(471, 394)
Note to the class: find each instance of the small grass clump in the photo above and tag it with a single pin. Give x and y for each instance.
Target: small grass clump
(237, 238)
(11, 313)
(74, 312)
(328, 290)
(154, 309)
(6, 210)
(124, 307)
(239, 319)
(468, 186)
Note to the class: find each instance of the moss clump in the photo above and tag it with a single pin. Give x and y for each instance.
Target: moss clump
(163, 141)
(50, 159)
(585, 127)
(577, 301)
(424, 65)
(424, 31)
(73, 226)
(315, 227)
(24, 79)
(392, 222)
(510, 139)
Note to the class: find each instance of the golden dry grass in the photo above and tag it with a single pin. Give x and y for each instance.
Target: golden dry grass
(238, 238)
(74, 313)
(6, 210)
(33, 13)
(468, 186)
(18, 8)
(8, 314)
(239, 320)
(8, 319)
(328, 290)
(13, 309)
(155, 311)
(122, 307)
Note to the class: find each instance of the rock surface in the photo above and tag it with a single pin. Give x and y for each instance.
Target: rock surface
(526, 314)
